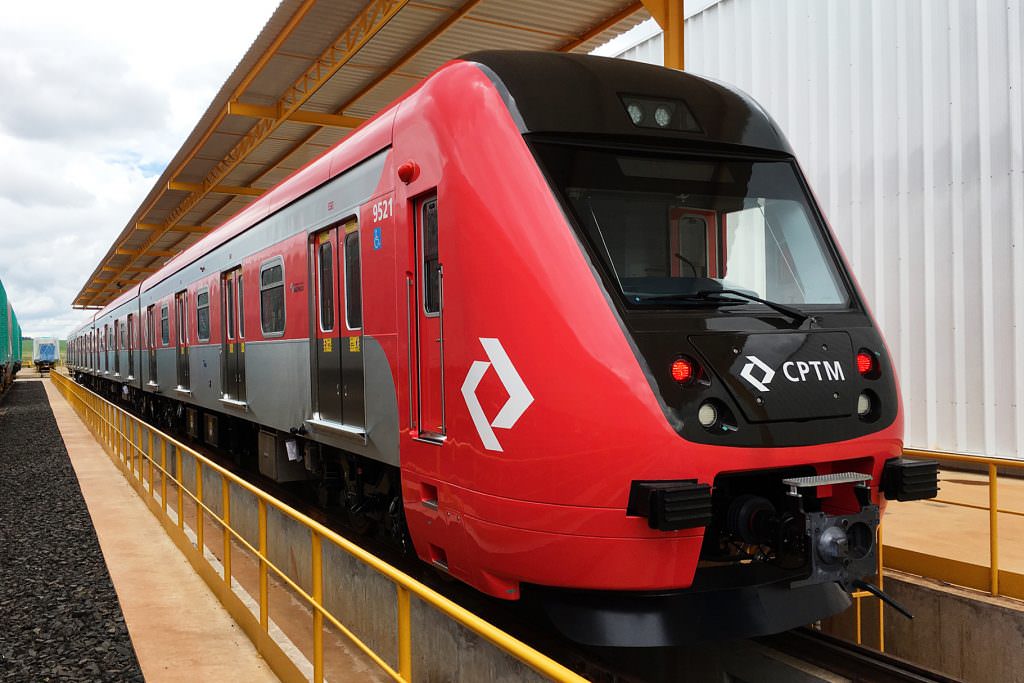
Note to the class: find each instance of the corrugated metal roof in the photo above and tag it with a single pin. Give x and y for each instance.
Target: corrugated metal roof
(383, 47)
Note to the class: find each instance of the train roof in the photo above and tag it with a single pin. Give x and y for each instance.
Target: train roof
(553, 92)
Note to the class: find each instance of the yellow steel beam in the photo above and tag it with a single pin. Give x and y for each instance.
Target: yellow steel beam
(134, 269)
(268, 54)
(121, 251)
(219, 189)
(669, 15)
(603, 26)
(157, 227)
(313, 117)
(370, 21)
(465, 9)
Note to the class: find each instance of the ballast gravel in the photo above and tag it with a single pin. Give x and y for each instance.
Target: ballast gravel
(59, 615)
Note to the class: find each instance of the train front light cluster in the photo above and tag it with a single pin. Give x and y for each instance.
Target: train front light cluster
(868, 403)
(660, 114)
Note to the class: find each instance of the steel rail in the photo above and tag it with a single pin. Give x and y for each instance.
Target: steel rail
(856, 663)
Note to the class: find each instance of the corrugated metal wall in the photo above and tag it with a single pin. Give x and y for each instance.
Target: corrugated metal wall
(908, 117)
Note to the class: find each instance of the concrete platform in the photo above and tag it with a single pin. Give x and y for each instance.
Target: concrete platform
(178, 628)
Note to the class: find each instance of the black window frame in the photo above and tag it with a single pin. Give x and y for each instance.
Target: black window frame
(200, 309)
(276, 261)
(353, 279)
(165, 324)
(325, 304)
(429, 258)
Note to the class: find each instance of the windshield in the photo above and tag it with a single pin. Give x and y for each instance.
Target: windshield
(667, 227)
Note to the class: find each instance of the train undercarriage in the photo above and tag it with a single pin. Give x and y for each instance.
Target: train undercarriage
(364, 493)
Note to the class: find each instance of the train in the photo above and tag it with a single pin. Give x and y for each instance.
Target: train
(45, 353)
(10, 341)
(568, 328)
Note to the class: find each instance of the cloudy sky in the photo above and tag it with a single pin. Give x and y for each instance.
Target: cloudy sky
(95, 99)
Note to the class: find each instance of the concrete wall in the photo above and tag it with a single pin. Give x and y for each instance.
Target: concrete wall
(961, 633)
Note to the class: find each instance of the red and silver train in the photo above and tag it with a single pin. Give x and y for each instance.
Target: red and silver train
(572, 326)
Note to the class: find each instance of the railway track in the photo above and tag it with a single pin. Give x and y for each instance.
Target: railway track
(849, 661)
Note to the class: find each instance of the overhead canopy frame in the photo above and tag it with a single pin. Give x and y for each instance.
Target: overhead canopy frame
(317, 70)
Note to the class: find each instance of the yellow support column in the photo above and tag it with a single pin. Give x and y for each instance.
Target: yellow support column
(669, 15)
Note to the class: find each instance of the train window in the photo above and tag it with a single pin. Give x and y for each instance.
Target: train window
(165, 326)
(431, 264)
(667, 228)
(229, 305)
(181, 316)
(241, 309)
(353, 282)
(203, 315)
(325, 253)
(272, 297)
(131, 332)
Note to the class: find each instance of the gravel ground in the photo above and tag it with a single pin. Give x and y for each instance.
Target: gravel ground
(59, 615)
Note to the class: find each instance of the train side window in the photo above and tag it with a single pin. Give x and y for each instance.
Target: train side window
(326, 284)
(229, 305)
(272, 297)
(165, 325)
(203, 315)
(431, 264)
(353, 282)
(241, 309)
(131, 332)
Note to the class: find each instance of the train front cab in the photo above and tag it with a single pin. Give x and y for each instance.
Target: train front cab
(640, 389)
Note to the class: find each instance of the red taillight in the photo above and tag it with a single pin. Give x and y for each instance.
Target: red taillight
(865, 363)
(683, 370)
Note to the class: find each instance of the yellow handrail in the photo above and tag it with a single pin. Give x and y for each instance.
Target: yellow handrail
(121, 435)
(993, 465)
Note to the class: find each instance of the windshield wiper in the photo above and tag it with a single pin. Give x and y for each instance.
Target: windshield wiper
(714, 296)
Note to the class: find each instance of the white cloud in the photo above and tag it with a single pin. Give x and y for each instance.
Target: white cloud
(97, 98)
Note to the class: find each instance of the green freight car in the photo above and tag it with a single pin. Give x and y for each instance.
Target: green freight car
(10, 341)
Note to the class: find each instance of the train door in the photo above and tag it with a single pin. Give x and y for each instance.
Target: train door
(181, 323)
(429, 323)
(151, 342)
(131, 345)
(339, 323)
(233, 346)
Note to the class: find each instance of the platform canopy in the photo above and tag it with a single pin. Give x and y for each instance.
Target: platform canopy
(316, 71)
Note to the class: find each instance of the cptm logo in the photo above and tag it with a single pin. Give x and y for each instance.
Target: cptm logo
(794, 371)
(519, 397)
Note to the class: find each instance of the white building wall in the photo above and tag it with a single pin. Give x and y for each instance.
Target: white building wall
(908, 118)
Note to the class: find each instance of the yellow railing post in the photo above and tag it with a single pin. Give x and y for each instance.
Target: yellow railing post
(264, 604)
(163, 475)
(318, 601)
(178, 484)
(404, 633)
(150, 458)
(225, 501)
(881, 586)
(199, 505)
(993, 527)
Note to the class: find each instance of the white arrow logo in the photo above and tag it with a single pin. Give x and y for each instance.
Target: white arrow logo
(769, 374)
(519, 397)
